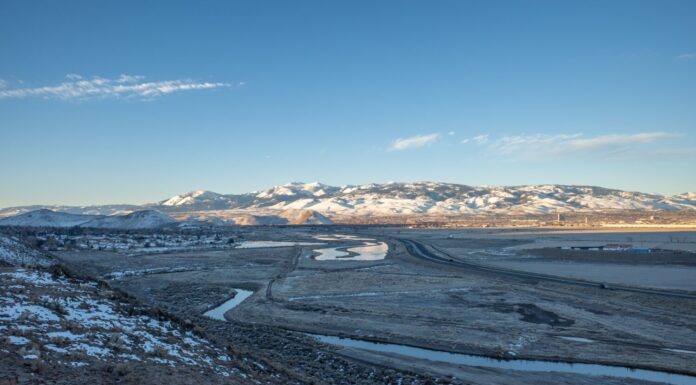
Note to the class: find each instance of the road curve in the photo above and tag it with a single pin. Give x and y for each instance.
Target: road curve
(418, 250)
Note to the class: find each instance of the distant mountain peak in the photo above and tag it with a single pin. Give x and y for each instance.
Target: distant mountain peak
(190, 197)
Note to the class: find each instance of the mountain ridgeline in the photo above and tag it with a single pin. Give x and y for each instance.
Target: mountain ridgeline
(429, 198)
(316, 203)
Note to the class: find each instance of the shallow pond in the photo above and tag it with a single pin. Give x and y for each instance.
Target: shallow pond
(259, 244)
(366, 252)
(341, 237)
(330, 254)
(369, 252)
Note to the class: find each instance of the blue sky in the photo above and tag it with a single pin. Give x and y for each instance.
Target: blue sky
(137, 101)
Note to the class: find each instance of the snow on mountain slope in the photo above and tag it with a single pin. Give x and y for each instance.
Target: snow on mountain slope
(453, 199)
(145, 219)
(315, 203)
(688, 199)
(47, 218)
(197, 196)
(297, 189)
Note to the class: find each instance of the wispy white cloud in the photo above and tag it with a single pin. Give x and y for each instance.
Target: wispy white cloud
(544, 146)
(479, 140)
(414, 142)
(617, 140)
(525, 145)
(686, 56)
(75, 87)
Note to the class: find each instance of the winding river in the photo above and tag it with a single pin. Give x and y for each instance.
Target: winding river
(218, 313)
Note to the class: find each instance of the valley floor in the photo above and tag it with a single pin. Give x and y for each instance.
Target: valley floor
(452, 304)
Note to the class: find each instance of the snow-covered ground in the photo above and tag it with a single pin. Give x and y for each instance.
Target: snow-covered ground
(73, 322)
(14, 252)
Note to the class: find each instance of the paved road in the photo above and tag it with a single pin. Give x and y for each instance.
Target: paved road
(419, 250)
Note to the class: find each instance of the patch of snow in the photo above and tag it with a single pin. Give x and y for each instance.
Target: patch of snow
(15, 311)
(64, 334)
(16, 340)
(90, 350)
(56, 349)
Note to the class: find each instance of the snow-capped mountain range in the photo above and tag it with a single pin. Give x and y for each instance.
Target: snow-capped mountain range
(300, 203)
(429, 198)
